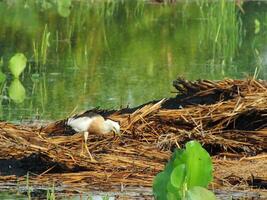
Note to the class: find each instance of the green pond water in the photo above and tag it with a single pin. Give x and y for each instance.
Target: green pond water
(113, 54)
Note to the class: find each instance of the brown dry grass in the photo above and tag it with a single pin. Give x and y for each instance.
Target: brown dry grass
(228, 117)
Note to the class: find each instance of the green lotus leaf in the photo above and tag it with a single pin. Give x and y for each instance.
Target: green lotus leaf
(178, 176)
(17, 64)
(173, 192)
(160, 185)
(198, 165)
(179, 157)
(63, 7)
(2, 77)
(199, 193)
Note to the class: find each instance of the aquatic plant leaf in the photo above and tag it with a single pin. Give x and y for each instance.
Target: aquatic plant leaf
(199, 193)
(160, 185)
(178, 176)
(198, 165)
(190, 167)
(16, 91)
(17, 64)
(173, 192)
(2, 77)
(172, 196)
(179, 157)
(63, 7)
(162, 188)
(175, 160)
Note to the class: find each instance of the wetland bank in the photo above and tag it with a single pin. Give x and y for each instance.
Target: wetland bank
(116, 54)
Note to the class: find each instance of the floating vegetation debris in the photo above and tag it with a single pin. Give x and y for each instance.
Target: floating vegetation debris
(227, 117)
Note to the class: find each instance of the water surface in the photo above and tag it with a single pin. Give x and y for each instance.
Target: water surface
(113, 55)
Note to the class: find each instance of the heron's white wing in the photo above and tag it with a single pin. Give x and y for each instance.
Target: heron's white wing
(80, 124)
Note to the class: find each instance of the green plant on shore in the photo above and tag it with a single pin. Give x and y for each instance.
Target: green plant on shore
(50, 194)
(186, 175)
(105, 197)
(29, 189)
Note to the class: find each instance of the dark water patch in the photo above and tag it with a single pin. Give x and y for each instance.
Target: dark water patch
(251, 119)
(257, 182)
(34, 163)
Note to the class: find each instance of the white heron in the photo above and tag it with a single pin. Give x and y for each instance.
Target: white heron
(92, 123)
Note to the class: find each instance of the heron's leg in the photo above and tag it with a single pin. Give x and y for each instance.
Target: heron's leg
(85, 134)
(82, 147)
(86, 147)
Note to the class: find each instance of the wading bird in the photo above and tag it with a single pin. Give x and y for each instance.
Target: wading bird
(92, 123)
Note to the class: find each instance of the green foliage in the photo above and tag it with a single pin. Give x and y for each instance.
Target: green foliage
(50, 194)
(178, 176)
(186, 175)
(198, 165)
(199, 193)
(161, 184)
(17, 64)
(29, 189)
(105, 197)
(63, 7)
(40, 48)
(2, 75)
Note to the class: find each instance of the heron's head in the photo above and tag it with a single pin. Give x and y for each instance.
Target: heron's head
(112, 126)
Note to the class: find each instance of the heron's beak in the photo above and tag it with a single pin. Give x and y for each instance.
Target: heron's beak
(116, 132)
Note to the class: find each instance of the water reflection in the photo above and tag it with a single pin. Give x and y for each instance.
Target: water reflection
(16, 91)
(119, 54)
